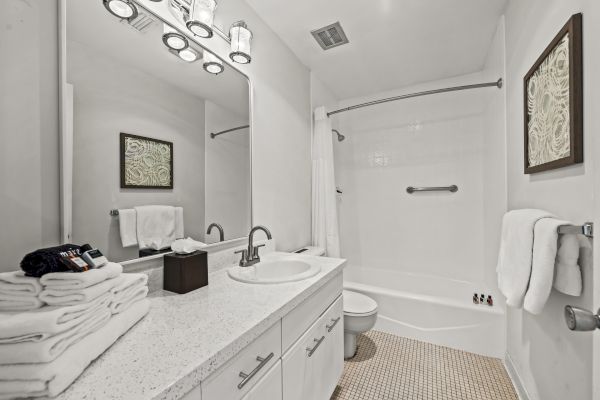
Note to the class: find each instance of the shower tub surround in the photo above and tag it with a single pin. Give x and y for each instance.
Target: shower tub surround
(186, 338)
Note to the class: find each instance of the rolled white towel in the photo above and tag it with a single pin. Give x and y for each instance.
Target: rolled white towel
(132, 289)
(19, 303)
(72, 297)
(80, 280)
(38, 325)
(568, 272)
(49, 349)
(16, 283)
(50, 379)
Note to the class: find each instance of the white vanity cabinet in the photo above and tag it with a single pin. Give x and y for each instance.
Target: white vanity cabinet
(300, 357)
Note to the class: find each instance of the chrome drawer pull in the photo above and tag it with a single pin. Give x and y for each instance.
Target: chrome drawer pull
(335, 321)
(318, 343)
(246, 377)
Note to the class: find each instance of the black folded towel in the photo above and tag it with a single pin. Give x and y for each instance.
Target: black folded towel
(44, 261)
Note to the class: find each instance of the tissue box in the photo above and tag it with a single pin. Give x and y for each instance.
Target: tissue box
(185, 272)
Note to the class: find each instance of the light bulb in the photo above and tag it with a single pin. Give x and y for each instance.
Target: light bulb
(173, 39)
(124, 9)
(188, 55)
(212, 64)
(241, 39)
(201, 17)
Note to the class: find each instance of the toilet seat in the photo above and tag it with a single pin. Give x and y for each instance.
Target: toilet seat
(357, 304)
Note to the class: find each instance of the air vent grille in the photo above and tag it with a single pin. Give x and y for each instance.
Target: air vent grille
(330, 36)
(141, 23)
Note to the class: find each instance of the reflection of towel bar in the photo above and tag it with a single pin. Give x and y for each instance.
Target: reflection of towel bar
(586, 229)
(114, 212)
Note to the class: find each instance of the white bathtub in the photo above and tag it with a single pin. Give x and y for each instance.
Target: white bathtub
(431, 309)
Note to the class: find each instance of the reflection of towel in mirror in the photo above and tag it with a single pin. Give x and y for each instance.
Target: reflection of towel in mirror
(127, 227)
(81, 280)
(155, 226)
(50, 379)
(38, 325)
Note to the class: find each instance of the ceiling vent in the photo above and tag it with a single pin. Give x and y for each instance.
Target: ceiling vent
(142, 22)
(330, 36)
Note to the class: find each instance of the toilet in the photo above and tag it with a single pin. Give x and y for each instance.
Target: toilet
(360, 311)
(360, 314)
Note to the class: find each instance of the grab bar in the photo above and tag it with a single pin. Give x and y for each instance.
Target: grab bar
(452, 188)
(587, 229)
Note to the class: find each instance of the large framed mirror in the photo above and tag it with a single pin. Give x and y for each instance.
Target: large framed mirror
(146, 125)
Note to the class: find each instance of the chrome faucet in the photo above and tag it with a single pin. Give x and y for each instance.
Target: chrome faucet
(219, 227)
(250, 255)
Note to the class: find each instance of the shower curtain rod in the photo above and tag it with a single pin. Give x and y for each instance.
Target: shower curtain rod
(237, 128)
(497, 84)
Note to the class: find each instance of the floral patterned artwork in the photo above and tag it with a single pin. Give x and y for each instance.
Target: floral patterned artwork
(146, 162)
(548, 108)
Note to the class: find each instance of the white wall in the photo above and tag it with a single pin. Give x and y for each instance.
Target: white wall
(227, 174)
(29, 178)
(111, 97)
(427, 141)
(552, 362)
(281, 168)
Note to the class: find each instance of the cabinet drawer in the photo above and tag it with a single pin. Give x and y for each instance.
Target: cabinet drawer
(269, 387)
(295, 323)
(234, 379)
(313, 365)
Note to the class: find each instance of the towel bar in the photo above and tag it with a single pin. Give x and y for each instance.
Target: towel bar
(412, 189)
(587, 229)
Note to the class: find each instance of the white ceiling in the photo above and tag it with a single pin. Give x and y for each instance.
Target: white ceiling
(393, 43)
(89, 24)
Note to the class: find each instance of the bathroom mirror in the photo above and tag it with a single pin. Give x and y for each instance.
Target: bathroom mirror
(135, 111)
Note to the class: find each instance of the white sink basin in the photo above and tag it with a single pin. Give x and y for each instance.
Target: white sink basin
(276, 271)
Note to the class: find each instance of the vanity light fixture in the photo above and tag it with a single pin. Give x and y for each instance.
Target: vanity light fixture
(212, 64)
(188, 54)
(173, 39)
(124, 9)
(241, 38)
(201, 16)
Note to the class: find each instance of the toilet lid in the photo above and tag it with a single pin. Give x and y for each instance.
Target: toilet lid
(357, 303)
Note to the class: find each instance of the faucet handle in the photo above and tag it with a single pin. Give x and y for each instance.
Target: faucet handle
(243, 260)
(255, 251)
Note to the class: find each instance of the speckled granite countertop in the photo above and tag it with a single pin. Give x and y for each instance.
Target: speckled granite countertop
(186, 337)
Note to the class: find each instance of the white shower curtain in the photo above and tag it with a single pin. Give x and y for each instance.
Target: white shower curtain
(325, 230)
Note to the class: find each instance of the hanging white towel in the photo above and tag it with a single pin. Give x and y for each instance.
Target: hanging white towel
(545, 245)
(50, 348)
(515, 256)
(132, 289)
(50, 379)
(568, 272)
(80, 280)
(155, 226)
(128, 227)
(16, 283)
(38, 325)
(325, 230)
(179, 228)
(72, 297)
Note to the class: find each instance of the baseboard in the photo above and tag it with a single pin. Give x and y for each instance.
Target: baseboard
(515, 378)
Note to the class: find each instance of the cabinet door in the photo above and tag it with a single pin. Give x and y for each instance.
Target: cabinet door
(311, 368)
(269, 387)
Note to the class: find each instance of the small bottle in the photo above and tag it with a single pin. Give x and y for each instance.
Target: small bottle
(490, 301)
(482, 298)
(475, 298)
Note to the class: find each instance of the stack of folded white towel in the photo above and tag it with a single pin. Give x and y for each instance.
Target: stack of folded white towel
(53, 327)
(533, 259)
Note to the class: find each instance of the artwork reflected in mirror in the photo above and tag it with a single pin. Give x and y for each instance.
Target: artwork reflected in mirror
(164, 139)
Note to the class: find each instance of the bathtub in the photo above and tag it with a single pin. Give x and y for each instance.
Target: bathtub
(431, 309)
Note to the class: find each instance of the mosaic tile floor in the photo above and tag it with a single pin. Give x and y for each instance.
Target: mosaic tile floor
(389, 367)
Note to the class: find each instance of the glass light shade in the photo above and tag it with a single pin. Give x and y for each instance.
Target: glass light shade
(202, 14)
(212, 64)
(124, 9)
(173, 39)
(241, 39)
(188, 54)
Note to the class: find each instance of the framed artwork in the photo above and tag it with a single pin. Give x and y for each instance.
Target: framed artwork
(553, 103)
(146, 163)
